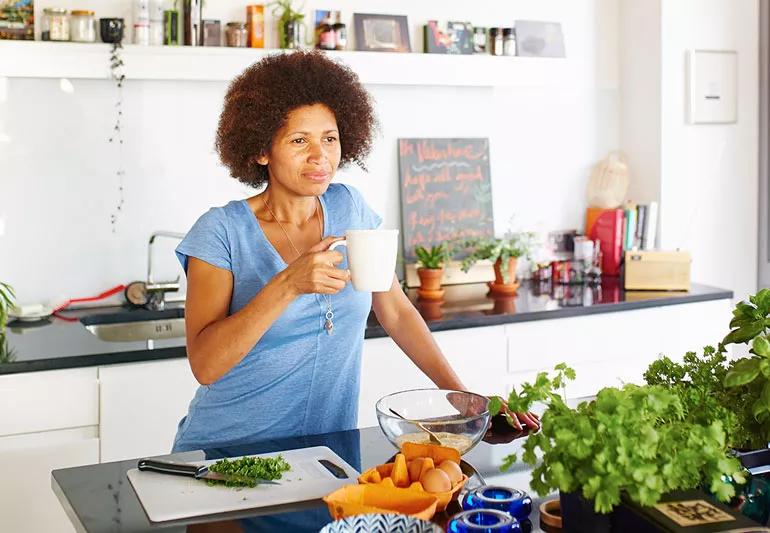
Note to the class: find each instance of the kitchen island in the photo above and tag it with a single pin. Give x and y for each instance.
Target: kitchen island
(87, 400)
(99, 498)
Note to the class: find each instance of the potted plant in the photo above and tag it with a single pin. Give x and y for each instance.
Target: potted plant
(632, 444)
(430, 269)
(752, 374)
(7, 297)
(290, 23)
(736, 392)
(503, 252)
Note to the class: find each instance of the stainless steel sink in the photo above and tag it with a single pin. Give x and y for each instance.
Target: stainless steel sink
(137, 325)
(139, 331)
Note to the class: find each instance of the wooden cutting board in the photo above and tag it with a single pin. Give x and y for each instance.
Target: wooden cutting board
(167, 497)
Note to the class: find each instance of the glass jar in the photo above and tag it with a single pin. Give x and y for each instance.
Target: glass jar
(56, 24)
(82, 26)
(496, 41)
(479, 40)
(236, 34)
(509, 42)
(340, 35)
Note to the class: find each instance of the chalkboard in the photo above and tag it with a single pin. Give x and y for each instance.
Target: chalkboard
(445, 191)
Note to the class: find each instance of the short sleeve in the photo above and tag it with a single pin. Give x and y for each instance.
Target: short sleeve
(368, 218)
(207, 240)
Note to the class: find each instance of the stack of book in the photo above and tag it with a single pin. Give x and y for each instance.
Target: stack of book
(631, 227)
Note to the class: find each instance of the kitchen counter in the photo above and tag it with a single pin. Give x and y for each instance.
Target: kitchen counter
(65, 343)
(99, 498)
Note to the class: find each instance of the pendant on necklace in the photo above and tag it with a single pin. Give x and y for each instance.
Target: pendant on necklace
(329, 325)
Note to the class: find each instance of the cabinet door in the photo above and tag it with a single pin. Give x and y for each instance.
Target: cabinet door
(611, 349)
(384, 369)
(141, 405)
(55, 399)
(478, 355)
(27, 502)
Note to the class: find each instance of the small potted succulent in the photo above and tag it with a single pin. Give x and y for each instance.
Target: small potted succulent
(430, 268)
(503, 252)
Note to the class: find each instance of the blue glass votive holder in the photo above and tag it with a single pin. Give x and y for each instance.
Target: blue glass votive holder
(516, 503)
(483, 521)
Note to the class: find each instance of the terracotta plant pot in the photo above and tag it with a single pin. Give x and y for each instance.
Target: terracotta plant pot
(430, 283)
(499, 286)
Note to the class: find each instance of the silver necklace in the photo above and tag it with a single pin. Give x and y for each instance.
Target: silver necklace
(329, 324)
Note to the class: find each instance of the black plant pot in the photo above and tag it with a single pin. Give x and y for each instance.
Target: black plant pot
(578, 515)
(111, 30)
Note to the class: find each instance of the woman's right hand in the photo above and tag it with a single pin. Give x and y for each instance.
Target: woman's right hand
(314, 271)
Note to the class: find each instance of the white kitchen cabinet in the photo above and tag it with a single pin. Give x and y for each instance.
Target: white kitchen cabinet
(141, 405)
(478, 356)
(610, 349)
(50, 421)
(54, 399)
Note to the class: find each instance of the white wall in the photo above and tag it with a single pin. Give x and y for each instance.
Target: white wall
(705, 176)
(710, 172)
(57, 171)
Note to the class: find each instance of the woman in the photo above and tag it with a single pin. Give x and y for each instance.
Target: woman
(274, 329)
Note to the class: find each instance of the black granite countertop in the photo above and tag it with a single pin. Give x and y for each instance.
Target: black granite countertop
(99, 498)
(64, 342)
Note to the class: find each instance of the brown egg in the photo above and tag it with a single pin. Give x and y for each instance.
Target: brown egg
(452, 469)
(436, 480)
(415, 467)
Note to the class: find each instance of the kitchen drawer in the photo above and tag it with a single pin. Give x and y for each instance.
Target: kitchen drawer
(51, 400)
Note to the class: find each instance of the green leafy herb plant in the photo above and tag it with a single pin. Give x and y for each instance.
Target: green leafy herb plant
(287, 16)
(749, 326)
(498, 250)
(636, 441)
(7, 298)
(246, 469)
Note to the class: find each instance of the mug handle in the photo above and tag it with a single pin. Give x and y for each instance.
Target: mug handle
(342, 242)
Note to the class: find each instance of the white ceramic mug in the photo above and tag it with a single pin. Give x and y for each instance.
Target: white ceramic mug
(371, 257)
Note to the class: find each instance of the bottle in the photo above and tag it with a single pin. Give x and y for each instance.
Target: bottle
(496, 41)
(156, 22)
(142, 22)
(340, 34)
(255, 23)
(192, 22)
(509, 42)
(326, 36)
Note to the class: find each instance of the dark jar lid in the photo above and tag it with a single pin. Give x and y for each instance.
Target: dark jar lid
(508, 32)
(495, 31)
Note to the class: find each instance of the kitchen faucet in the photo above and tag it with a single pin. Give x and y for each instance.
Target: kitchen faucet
(156, 291)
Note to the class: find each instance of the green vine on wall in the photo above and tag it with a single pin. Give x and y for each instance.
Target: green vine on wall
(118, 74)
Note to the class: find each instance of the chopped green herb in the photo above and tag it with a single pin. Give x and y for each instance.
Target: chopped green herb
(247, 469)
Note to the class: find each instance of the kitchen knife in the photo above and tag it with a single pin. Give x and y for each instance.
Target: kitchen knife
(195, 471)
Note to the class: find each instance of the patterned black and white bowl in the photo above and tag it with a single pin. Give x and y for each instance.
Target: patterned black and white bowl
(381, 523)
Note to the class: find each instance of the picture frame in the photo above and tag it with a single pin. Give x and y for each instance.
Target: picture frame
(452, 37)
(536, 38)
(381, 33)
(17, 20)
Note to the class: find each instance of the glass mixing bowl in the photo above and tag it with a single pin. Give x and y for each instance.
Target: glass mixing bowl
(458, 419)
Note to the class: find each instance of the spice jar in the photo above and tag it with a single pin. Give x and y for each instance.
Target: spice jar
(326, 37)
(479, 40)
(83, 26)
(340, 35)
(509, 42)
(236, 34)
(56, 24)
(496, 41)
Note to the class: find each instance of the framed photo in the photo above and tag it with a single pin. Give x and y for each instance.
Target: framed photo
(381, 33)
(535, 38)
(17, 20)
(450, 38)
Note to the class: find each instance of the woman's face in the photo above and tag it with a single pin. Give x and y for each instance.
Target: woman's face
(305, 152)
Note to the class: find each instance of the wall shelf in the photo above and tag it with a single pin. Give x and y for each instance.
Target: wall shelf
(38, 59)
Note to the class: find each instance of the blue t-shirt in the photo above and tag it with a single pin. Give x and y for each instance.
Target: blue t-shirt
(296, 380)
